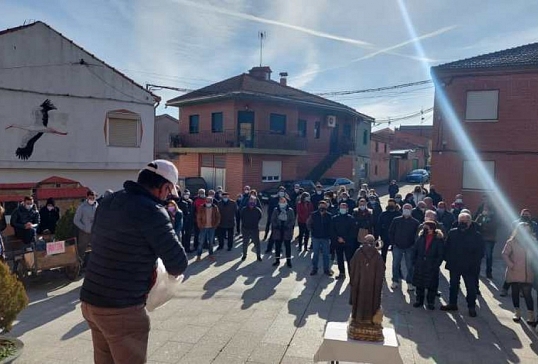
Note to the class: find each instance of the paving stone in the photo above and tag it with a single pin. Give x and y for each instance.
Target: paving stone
(170, 352)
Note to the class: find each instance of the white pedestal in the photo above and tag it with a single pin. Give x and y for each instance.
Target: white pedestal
(337, 347)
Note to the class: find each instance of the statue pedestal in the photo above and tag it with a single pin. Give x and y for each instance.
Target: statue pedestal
(337, 347)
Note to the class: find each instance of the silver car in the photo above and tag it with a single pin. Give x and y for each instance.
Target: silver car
(333, 184)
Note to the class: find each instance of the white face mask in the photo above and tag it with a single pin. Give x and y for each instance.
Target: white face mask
(208, 204)
(91, 202)
(186, 197)
(50, 208)
(362, 207)
(406, 212)
(459, 200)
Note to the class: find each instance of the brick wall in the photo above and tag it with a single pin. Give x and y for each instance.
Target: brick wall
(234, 174)
(380, 158)
(188, 165)
(343, 167)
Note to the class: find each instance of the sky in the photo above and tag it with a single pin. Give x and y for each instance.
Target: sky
(324, 45)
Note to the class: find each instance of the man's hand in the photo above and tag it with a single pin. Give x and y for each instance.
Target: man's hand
(341, 240)
(28, 225)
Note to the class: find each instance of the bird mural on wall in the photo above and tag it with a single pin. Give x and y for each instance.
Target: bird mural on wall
(35, 131)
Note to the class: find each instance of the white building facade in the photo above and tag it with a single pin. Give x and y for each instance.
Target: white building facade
(108, 118)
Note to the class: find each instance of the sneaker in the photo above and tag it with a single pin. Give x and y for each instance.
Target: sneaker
(418, 304)
(394, 285)
(472, 312)
(259, 258)
(198, 258)
(503, 293)
(313, 272)
(244, 257)
(449, 307)
(277, 262)
(410, 288)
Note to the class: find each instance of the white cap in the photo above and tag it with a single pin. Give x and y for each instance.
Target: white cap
(167, 170)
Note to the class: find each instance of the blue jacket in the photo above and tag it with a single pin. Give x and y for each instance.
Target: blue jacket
(130, 231)
(320, 226)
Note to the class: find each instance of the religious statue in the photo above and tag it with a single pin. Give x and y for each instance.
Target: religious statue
(367, 272)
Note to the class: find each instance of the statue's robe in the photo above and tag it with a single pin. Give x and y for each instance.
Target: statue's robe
(367, 273)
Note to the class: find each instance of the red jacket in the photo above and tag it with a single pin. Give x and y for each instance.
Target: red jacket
(304, 209)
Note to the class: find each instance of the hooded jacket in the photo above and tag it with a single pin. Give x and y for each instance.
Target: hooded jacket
(85, 215)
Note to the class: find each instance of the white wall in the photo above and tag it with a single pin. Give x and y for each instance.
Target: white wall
(36, 63)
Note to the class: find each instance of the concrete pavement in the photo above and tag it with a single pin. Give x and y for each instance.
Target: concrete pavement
(249, 312)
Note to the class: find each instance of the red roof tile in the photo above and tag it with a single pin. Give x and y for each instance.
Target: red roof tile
(11, 198)
(56, 179)
(17, 186)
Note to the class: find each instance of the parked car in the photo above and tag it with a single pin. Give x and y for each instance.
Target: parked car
(418, 176)
(266, 194)
(333, 184)
(193, 184)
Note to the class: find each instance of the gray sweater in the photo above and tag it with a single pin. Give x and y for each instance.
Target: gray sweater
(84, 216)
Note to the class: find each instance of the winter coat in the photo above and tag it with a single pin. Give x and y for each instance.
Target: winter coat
(464, 250)
(436, 197)
(402, 232)
(418, 196)
(250, 218)
(186, 207)
(131, 230)
(518, 264)
(201, 218)
(304, 210)
(48, 219)
(21, 216)
(427, 263)
(418, 214)
(487, 226)
(344, 226)
(383, 223)
(320, 225)
(446, 218)
(177, 221)
(316, 199)
(393, 190)
(85, 215)
(282, 230)
(364, 218)
(227, 214)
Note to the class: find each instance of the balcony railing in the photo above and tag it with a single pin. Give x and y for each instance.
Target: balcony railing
(231, 139)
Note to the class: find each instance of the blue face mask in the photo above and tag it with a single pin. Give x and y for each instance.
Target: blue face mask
(282, 205)
(225, 199)
(343, 211)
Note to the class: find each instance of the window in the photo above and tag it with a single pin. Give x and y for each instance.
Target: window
(217, 125)
(271, 171)
(375, 170)
(365, 137)
(472, 178)
(377, 147)
(124, 129)
(301, 128)
(317, 129)
(194, 124)
(385, 146)
(277, 124)
(482, 105)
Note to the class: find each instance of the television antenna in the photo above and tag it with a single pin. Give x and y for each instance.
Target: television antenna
(262, 35)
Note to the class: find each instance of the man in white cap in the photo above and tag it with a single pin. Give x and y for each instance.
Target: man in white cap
(131, 230)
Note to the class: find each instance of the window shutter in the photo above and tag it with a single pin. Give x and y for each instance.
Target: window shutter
(123, 132)
(482, 105)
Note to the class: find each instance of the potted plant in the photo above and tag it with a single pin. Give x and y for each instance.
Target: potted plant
(13, 300)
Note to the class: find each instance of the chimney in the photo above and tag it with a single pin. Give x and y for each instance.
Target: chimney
(284, 78)
(261, 73)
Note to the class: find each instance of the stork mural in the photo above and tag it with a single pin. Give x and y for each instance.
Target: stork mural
(35, 131)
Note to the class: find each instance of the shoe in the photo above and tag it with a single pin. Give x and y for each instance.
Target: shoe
(244, 257)
(418, 304)
(211, 258)
(410, 288)
(329, 273)
(341, 276)
(198, 258)
(276, 263)
(288, 263)
(305, 249)
(259, 258)
(517, 315)
(530, 318)
(394, 285)
(219, 248)
(449, 307)
(472, 312)
(503, 293)
(313, 273)
(430, 307)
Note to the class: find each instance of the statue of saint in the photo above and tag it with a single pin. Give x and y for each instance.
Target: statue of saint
(367, 272)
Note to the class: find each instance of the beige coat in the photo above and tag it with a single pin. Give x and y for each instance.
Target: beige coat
(519, 268)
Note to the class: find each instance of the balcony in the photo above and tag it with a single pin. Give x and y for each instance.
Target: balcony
(258, 142)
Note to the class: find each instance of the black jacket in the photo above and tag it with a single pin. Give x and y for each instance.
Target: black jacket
(22, 215)
(435, 197)
(186, 207)
(383, 223)
(344, 226)
(49, 219)
(250, 218)
(393, 190)
(316, 199)
(427, 263)
(418, 214)
(402, 232)
(464, 250)
(130, 231)
(320, 226)
(446, 218)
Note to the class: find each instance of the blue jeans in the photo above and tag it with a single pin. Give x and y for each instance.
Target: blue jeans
(397, 256)
(209, 235)
(323, 245)
(488, 247)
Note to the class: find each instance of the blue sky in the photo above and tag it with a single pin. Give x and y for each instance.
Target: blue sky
(323, 45)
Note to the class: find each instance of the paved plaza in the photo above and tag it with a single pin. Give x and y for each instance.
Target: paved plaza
(250, 312)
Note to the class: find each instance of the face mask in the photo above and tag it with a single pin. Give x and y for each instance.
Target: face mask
(296, 190)
(282, 205)
(172, 209)
(343, 211)
(459, 200)
(391, 208)
(252, 204)
(373, 202)
(441, 210)
(91, 202)
(362, 208)
(28, 207)
(462, 226)
(186, 197)
(225, 199)
(201, 195)
(247, 192)
(406, 212)
(50, 208)
(208, 204)
(318, 192)
(344, 198)
(398, 199)
(422, 209)
(281, 194)
(307, 199)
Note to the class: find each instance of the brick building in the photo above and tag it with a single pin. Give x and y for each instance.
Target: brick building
(495, 101)
(252, 130)
(379, 159)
